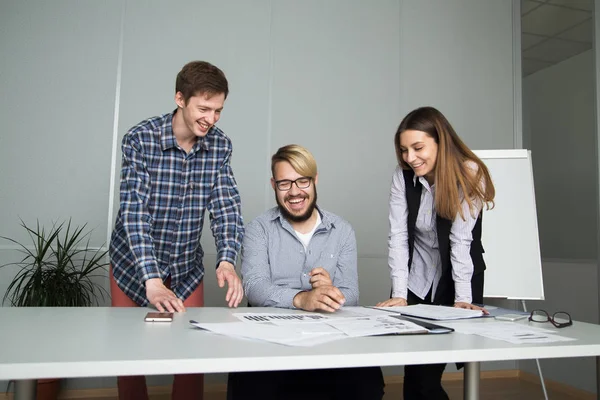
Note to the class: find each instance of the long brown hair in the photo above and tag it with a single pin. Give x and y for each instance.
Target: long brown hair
(452, 173)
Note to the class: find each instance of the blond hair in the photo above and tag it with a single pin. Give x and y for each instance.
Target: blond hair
(299, 158)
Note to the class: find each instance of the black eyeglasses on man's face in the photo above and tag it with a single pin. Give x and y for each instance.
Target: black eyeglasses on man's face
(564, 318)
(285, 184)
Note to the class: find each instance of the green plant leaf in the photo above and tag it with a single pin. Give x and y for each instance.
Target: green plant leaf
(59, 268)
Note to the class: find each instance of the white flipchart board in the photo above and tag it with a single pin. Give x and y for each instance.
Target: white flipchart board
(510, 230)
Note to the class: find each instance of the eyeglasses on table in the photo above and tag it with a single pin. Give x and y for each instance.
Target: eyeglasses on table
(559, 319)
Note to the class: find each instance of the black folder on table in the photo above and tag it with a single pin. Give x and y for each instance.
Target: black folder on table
(431, 328)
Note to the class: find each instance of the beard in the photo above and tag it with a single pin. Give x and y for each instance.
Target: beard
(298, 218)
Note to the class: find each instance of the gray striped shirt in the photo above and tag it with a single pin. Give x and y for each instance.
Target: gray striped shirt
(426, 268)
(275, 265)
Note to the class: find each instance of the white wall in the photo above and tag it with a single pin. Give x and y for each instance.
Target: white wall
(336, 76)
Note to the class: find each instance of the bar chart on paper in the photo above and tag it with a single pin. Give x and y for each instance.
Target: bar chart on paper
(294, 318)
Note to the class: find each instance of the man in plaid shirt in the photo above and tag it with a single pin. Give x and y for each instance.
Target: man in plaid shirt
(174, 168)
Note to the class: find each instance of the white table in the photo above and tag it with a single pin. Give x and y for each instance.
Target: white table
(96, 342)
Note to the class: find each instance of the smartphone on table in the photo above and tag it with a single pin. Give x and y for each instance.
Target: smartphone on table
(159, 317)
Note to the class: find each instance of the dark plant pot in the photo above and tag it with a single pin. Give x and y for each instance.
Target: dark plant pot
(48, 389)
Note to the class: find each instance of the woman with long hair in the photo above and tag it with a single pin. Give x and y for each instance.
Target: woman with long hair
(438, 192)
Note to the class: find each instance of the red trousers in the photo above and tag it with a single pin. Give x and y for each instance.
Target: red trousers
(190, 386)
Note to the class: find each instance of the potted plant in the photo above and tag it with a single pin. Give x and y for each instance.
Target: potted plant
(57, 270)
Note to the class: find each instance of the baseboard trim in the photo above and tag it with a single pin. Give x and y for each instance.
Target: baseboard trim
(458, 376)
(558, 387)
(111, 393)
(161, 391)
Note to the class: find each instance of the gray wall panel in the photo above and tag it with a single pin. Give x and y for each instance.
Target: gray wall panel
(457, 56)
(57, 76)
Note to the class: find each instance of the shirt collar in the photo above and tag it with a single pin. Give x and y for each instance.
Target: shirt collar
(167, 137)
(325, 219)
(168, 140)
(422, 180)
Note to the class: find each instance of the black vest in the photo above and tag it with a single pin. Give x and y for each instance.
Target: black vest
(445, 290)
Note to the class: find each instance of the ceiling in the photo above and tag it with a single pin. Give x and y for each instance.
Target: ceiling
(554, 30)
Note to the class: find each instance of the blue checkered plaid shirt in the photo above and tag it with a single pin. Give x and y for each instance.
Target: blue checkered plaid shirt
(164, 194)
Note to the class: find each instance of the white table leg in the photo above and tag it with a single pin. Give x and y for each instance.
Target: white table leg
(25, 389)
(471, 381)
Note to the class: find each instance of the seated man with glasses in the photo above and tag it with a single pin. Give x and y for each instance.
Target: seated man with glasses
(297, 255)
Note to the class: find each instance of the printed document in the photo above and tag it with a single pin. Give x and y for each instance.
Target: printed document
(440, 313)
(512, 332)
(295, 328)
(286, 335)
(375, 325)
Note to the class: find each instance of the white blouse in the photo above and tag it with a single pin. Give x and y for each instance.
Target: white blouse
(426, 269)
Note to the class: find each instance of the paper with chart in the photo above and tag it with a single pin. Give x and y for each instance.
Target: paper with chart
(302, 317)
(512, 332)
(296, 328)
(439, 313)
(375, 325)
(286, 335)
(281, 319)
